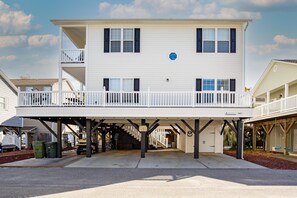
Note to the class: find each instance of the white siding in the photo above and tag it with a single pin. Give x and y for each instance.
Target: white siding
(11, 101)
(152, 65)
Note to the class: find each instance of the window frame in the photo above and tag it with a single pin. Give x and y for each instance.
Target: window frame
(3, 104)
(223, 79)
(218, 40)
(204, 40)
(122, 40)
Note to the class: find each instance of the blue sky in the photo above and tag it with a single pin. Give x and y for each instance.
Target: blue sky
(29, 41)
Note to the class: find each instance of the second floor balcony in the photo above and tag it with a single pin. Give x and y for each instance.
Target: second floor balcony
(281, 107)
(140, 99)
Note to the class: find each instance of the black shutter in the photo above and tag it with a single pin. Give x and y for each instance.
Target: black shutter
(106, 84)
(199, 40)
(233, 40)
(106, 40)
(198, 88)
(198, 84)
(136, 88)
(136, 40)
(136, 84)
(232, 84)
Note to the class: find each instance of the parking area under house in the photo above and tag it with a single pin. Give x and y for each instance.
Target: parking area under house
(167, 159)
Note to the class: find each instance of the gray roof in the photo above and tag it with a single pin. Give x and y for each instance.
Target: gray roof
(289, 60)
(13, 122)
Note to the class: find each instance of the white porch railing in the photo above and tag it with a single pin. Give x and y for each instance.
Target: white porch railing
(72, 56)
(135, 99)
(280, 106)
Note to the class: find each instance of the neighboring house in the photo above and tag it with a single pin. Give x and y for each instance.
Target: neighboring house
(8, 101)
(41, 130)
(275, 112)
(186, 75)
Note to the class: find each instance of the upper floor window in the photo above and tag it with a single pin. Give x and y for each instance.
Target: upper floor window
(216, 40)
(223, 84)
(208, 40)
(208, 85)
(223, 40)
(122, 40)
(3, 103)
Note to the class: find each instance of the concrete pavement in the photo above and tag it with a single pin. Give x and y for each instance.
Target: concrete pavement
(131, 159)
(128, 183)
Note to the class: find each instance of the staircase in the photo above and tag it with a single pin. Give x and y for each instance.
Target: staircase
(157, 138)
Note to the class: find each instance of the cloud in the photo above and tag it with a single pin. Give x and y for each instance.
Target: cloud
(7, 58)
(212, 10)
(13, 21)
(12, 41)
(283, 40)
(173, 8)
(42, 40)
(260, 3)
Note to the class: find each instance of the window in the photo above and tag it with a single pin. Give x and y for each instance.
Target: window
(208, 85)
(122, 40)
(216, 40)
(128, 40)
(115, 40)
(223, 83)
(123, 90)
(223, 40)
(208, 40)
(2, 103)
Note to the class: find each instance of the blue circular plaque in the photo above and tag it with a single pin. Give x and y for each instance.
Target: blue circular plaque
(172, 56)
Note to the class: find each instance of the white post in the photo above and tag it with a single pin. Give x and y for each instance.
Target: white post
(286, 90)
(267, 97)
(60, 68)
(104, 96)
(222, 97)
(193, 97)
(148, 97)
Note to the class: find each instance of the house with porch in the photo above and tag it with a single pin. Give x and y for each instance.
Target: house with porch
(275, 107)
(35, 129)
(8, 100)
(180, 76)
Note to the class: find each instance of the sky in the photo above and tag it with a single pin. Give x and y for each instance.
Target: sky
(29, 41)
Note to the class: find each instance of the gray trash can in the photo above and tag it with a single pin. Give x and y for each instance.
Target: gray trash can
(51, 149)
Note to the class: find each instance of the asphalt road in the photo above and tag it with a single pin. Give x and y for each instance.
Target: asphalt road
(82, 182)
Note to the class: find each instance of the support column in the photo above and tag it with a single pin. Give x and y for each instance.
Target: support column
(147, 141)
(267, 137)
(267, 97)
(103, 140)
(286, 90)
(254, 137)
(240, 129)
(89, 138)
(59, 138)
(143, 140)
(20, 137)
(286, 143)
(196, 140)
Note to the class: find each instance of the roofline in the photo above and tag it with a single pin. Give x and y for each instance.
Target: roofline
(8, 82)
(272, 62)
(127, 20)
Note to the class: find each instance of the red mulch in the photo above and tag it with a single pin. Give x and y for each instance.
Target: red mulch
(266, 159)
(7, 157)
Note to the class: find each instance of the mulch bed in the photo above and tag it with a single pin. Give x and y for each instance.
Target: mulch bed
(265, 159)
(7, 157)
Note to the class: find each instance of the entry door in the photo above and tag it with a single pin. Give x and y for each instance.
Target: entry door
(295, 140)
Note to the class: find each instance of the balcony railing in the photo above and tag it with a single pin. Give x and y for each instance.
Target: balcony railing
(134, 99)
(72, 56)
(280, 106)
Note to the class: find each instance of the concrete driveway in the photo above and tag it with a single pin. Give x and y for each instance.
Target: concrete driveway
(168, 159)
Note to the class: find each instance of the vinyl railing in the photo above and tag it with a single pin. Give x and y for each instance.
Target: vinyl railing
(72, 56)
(282, 105)
(135, 99)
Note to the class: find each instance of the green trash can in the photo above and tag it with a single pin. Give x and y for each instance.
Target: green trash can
(39, 149)
(51, 149)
